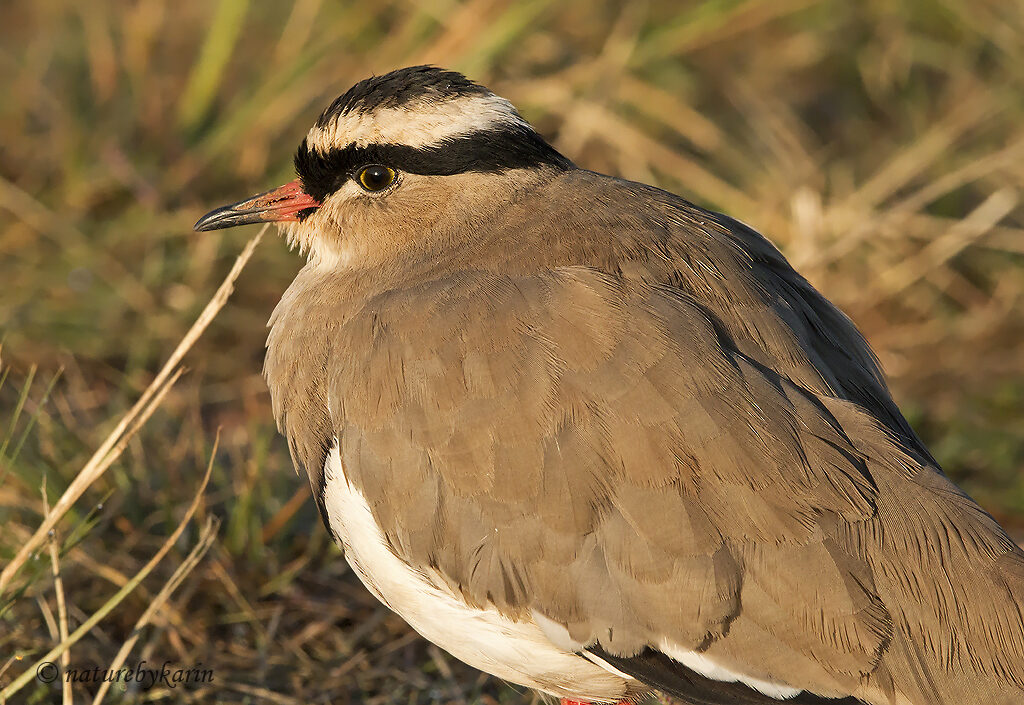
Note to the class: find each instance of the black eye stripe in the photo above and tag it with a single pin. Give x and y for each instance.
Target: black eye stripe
(487, 151)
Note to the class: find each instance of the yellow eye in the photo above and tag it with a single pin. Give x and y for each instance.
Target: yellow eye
(376, 177)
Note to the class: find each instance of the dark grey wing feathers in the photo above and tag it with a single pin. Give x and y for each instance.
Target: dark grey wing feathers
(673, 678)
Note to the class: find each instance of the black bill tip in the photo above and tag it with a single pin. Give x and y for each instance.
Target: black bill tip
(227, 217)
(285, 203)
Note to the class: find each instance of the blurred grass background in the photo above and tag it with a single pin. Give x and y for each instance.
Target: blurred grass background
(880, 144)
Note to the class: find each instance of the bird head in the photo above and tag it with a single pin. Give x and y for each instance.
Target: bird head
(400, 161)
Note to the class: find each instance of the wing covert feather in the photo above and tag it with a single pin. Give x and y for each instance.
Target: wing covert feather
(596, 461)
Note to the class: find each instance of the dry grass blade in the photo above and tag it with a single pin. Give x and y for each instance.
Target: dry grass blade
(116, 441)
(206, 538)
(957, 238)
(169, 615)
(968, 111)
(67, 696)
(264, 695)
(621, 135)
(116, 599)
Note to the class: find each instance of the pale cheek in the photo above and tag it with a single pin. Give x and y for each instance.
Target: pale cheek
(304, 236)
(291, 232)
(333, 236)
(352, 228)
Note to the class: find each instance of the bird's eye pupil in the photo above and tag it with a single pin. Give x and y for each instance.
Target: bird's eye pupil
(376, 177)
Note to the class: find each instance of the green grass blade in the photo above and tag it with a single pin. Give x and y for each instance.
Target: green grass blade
(208, 72)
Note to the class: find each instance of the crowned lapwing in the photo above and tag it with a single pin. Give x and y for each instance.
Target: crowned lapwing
(598, 441)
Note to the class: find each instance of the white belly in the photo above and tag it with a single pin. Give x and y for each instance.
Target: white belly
(518, 652)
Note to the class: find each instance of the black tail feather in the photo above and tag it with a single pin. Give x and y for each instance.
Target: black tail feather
(671, 677)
